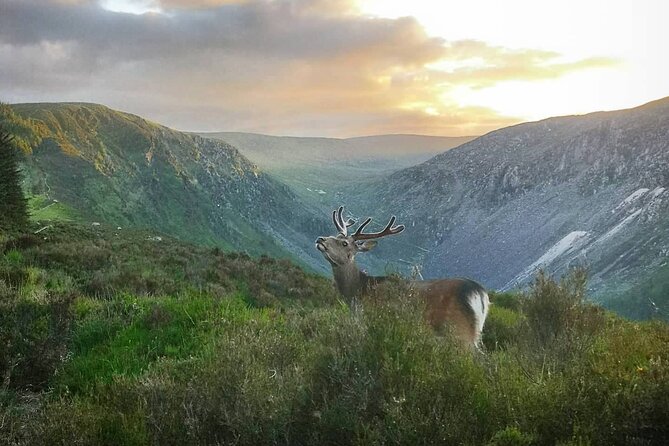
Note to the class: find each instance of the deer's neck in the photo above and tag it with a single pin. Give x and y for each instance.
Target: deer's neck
(349, 279)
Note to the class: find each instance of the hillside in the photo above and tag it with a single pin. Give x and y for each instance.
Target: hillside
(325, 170)
(586, 190)
(114, 167)
(112, 337)
(590, 190)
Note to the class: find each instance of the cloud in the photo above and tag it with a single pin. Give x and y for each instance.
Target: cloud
(301, 67)
(498, 64)
(328, 7)
(321, 7)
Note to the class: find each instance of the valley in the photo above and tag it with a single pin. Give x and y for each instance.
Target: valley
(589, 191)
(328, 171)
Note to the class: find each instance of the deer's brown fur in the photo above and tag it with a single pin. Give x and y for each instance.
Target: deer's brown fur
(457, 305)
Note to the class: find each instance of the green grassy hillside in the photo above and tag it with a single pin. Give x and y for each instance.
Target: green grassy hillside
(648, 298)
(112, 337)
(118, 168)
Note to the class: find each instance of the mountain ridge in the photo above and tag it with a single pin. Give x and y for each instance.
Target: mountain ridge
(493, 207)
(588, 190)
(125, 170)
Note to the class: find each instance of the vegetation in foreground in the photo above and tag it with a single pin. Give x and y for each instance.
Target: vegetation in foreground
(120, 337)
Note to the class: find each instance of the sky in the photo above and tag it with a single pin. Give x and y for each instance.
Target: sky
(337, 68)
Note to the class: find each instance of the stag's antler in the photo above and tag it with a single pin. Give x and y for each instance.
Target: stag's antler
(388, 230)
(342, 226)
(339, 223)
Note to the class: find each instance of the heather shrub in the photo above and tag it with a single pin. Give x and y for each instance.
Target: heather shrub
(34, 334)
(175, 345)
(501, 327)
(558, 319)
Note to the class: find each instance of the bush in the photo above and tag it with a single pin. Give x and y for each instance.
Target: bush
(194, 346)
(501, 327)
(508, 300)
(33, 337)
(557, 316)
(511, 436)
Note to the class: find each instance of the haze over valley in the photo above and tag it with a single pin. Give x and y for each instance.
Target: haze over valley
(328, 170)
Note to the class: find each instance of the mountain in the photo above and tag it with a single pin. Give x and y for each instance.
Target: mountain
(324, 170)
(587, 190)
(119, 168)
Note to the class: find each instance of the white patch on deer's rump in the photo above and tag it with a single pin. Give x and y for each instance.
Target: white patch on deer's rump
(479, 303)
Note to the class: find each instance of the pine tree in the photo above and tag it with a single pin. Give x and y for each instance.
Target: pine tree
(13, 206)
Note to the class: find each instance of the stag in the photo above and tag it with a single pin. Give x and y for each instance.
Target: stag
(459, 304)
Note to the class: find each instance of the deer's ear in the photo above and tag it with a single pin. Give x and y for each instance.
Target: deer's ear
(366, 245)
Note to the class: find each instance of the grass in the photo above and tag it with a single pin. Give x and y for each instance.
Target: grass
(44, 210)
(113, 338)
(648, 299)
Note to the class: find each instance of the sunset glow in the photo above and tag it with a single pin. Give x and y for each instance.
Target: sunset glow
(336, 67)
(627, 37)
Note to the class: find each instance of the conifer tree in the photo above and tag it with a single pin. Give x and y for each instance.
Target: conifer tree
(13, 207)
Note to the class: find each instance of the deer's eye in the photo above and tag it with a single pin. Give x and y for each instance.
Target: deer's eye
(344, 243)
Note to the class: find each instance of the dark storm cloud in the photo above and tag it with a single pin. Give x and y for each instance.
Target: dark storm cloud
(262, 28)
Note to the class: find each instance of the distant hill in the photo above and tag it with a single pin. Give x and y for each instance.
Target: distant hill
(124, 170)
(590, 190)
(326, 170)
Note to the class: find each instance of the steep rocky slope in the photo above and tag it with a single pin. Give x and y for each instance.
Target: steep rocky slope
(124, 170)
(591, 190)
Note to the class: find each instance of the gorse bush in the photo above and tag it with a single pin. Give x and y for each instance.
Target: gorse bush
(161, 343)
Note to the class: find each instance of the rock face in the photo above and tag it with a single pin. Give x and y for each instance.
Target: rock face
(591, 190)
(124, 170)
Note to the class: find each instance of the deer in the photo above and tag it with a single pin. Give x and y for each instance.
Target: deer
(459, 304)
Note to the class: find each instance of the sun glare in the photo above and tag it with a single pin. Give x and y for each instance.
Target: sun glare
(130, 6)
(631, 36)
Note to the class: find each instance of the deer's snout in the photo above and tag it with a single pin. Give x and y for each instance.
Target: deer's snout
(320, 243)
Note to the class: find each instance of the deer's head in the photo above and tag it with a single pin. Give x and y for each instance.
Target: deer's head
(341, 249)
